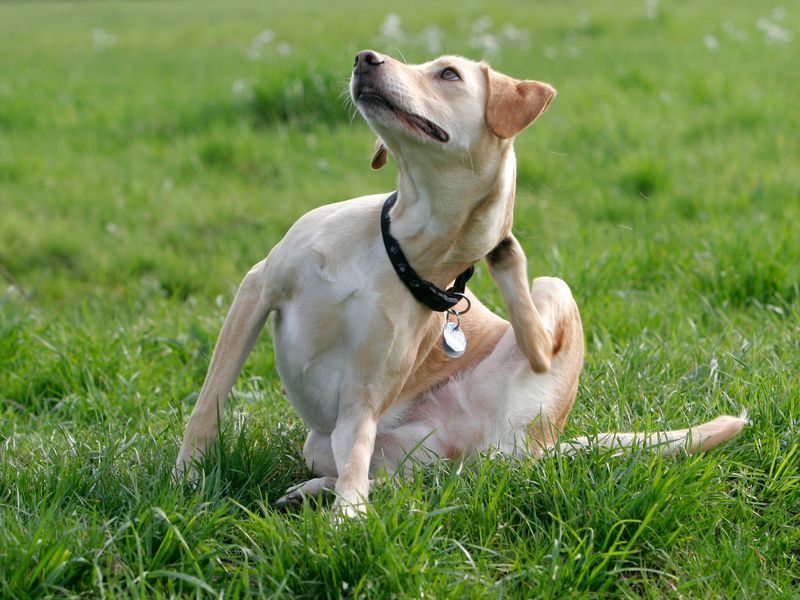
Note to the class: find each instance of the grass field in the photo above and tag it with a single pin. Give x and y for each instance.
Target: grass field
(150, 152)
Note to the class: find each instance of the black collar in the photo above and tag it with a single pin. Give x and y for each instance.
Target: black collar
(424, 291)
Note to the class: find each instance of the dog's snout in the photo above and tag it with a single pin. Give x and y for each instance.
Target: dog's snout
(366, 61)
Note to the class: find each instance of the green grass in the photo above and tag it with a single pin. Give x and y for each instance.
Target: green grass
(139, 181)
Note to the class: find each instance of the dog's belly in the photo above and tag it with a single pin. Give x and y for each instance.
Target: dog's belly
(491, 407)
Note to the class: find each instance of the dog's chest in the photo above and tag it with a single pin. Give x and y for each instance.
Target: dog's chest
(319, 332)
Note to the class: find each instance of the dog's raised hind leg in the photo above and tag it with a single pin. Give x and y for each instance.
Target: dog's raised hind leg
(244, 322)
(509, 269)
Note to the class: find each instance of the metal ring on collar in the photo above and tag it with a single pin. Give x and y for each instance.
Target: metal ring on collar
(458, 313)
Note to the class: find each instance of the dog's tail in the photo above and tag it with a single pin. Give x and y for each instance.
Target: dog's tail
(694, 439)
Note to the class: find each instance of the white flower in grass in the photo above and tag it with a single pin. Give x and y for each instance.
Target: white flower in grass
(711, 42)
(779, 13)
(101, 39)
(431, 37)
(482, 24)
(551, 52)
(242, 90)
(487, 43)
(515, 35)
(392, 29)
(284, 48)
(651, 9)
(584, 21)
(262, 39)
(773, 33)
(734, 32)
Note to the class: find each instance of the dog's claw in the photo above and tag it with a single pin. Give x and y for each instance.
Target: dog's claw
(291, 499)
(288, 501)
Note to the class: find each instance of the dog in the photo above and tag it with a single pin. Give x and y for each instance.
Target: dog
(360, 349)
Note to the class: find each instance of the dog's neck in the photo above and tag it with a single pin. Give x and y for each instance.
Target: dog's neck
(446, 220)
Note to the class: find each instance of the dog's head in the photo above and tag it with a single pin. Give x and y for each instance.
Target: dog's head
(450, 104)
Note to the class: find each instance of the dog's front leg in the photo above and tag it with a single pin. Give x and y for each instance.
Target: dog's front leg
(509, 269)
(240, 331)
(353, 441)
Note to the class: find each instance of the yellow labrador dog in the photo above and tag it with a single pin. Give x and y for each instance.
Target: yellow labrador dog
(377, 354)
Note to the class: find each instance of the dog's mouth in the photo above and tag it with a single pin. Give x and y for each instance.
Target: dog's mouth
(369, 97)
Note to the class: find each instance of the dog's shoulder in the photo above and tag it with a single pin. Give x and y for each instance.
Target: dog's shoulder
(348, 220)
(330, 236)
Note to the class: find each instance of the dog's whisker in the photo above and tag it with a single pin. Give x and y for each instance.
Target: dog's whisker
(467, 155)
(345, 87)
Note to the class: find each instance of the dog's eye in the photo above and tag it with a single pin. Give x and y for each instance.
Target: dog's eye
(450, 74)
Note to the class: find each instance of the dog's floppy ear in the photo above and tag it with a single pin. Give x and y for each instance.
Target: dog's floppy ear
(511, 104)
(381, 155)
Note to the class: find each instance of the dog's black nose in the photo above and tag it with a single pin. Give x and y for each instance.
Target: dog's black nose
(366, 60)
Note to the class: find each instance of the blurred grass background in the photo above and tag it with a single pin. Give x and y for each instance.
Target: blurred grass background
(150, 152)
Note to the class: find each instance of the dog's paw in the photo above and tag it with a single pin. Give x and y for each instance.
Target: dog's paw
(297, 494)
(343, 510)
(186, 471)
